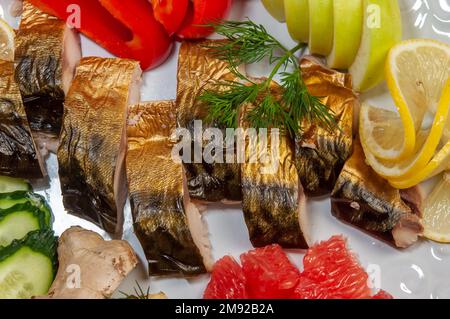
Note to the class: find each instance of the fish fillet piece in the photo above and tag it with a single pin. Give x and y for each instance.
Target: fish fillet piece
(364, 199)
(168, 225)
(92, 148)
(274, 203)
(199, 70)
(320, 154)
(18, 155)
(47, 53)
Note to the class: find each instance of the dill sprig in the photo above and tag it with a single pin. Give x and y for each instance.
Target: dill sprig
(139, 293)
(248, 43)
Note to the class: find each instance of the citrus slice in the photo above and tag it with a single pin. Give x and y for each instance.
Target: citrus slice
(416, 72)
(275, 8)
(6, 41)
(426, 145)
(321, 26)
(382, 29)
(436, 218)
(439, 163)
(297, 19)
(348, 24)
(377, 126)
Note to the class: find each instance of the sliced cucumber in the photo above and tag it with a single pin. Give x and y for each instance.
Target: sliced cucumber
(8, 200)
(9, 184)
(28, 266)
(17, 221)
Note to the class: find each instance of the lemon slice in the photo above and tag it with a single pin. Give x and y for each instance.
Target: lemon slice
(382, 29)
(297, 19)
(436, 218)
(377, 126)
(6, 41)
(348, 25)
(416, 71)
(275, 8)
(321, 26)
(439, 163)
(427, 143)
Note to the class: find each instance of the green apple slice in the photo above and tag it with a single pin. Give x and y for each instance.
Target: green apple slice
(382, 29)
(297, 19)
(275, 8)
(348, 25)
(321, 26)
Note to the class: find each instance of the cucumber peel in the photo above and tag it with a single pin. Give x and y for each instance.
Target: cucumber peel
(28, 266)
(8, 200)
(18, 220)
(10, 184)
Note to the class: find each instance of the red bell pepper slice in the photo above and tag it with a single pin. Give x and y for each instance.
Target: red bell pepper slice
(170, 13)
(202, 12)
(127, 29)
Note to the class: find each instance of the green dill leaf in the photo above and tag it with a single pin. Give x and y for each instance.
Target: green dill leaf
(248, 43)
(224, 105)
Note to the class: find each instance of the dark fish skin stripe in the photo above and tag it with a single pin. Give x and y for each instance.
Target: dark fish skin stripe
(18, 155)
(157, 193)
(92, 141)
(39, 67)
(43, 97)
(271, 217)
(320, 153)
(98, 209)
(365, 219)
(365, 200)
(199, 70)
(169, 250)
(213, 183)
(320, 167)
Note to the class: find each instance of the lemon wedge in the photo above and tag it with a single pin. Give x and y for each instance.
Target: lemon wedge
(418, 166)
(382, 29)
(436, 218)
(6, 41)
(321, 26)
(275, 8)
(297, 19)
(348, 21)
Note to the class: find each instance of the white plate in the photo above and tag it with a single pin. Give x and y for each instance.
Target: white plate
(421, 271)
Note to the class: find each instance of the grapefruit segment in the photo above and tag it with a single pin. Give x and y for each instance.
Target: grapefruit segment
(227, 281)
(331, 271)
(269, 272)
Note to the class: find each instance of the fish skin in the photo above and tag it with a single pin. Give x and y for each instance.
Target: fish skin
(39, 67)
(156, 192)
(270, 204)
(18, 152)
(198, 70)
(364, 199)
(91, 138)
(273, 203)
(321, 154)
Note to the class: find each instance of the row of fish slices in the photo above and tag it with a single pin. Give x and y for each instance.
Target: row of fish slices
(163, 258)
(108, 217)
(40, 78)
